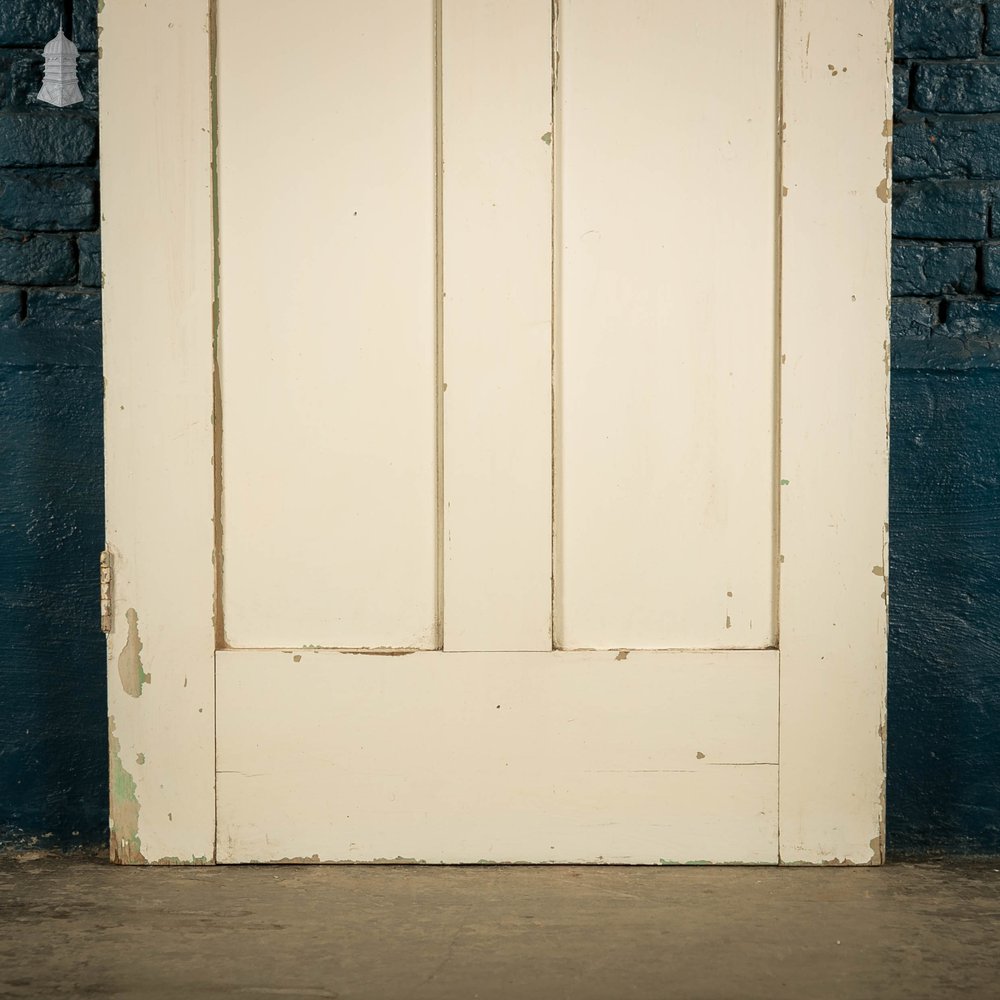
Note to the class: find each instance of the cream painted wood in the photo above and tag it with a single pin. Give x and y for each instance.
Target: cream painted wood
(328, 325)
(837, 95)
(496, 80)
(428, 721)
(666, 352)
(156, 181)
(467, 757)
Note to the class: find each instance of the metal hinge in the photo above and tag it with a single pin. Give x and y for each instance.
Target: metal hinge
(106, 581)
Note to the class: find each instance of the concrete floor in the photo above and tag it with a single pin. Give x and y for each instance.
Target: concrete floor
(79, 927)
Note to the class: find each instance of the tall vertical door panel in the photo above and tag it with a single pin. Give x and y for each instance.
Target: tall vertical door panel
(327, 345)
(666, 352)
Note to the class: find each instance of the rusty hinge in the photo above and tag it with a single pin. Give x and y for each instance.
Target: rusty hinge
(106, 581)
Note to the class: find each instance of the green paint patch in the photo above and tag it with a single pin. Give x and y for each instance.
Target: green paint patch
(547, 138)
(129, 661)
(785, 482)
(126, 848)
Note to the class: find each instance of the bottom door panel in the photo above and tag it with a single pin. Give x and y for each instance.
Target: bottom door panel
(607, 757)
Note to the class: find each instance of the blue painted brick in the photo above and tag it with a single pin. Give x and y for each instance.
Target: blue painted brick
(991, 267)
(969, 337)
(85, 25)
(46, 138)
(977, 318)
(47, 200)
(932, 269)
(10, 306)
(86, 71)
(900, 88)
(912, 317)
(90, 259)
(912, 340)
(950, 147)
(28, 22)
(57, 309)
(940, 210)
(958, 88)
(23, 77)
(35, 259)
(991, 40)
(995, 215)
(936, 29)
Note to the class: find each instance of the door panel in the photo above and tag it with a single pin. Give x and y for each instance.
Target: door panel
(326, 178)
(501, 757)
(666, 351)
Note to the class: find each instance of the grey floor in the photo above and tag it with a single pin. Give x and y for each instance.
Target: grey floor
(80, 928)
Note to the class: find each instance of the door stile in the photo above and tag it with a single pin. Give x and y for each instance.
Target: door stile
(156, 173)
(836, 159)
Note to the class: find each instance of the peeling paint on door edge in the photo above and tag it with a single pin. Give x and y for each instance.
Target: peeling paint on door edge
(123, 808)
(129, 663)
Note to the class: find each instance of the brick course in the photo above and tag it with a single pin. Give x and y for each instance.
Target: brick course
(49, 211)
(946, 192)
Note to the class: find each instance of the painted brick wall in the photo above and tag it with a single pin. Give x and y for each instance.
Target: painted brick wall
(944, 733)
(53, 761)
(944, 662)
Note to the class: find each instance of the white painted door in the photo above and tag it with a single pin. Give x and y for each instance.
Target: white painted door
(540, 484)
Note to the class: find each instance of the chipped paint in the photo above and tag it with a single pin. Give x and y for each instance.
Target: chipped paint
(884, 189)
(378, 652)
(129, 662)
(123, 819)
(140, 758)
(622, 654)
(547, 138)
